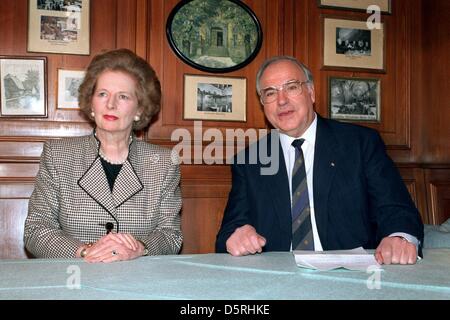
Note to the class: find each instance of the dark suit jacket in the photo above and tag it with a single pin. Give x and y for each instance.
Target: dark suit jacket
(359, 196)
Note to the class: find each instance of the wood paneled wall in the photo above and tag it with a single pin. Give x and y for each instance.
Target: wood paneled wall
(414, 108)
(435, 82)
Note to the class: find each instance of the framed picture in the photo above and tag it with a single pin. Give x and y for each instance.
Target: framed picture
(358, 5)
(215, 98)
(356, 99)
(23, 89)
(214, 36)
(351, 44)
(68, 83)
(58, 26)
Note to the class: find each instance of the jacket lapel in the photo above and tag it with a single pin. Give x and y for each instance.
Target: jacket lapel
(277, 186)
(94, 181)
(127, 183)
(325, 163)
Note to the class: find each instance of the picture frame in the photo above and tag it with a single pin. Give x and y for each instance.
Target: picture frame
(214, 98)
(356, 5)
(68, 83)
(23, 86)
(213, 36)
(55, 27)
(350, 44)
(354, 99)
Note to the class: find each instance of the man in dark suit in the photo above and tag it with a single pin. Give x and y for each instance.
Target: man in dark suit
(354, 194)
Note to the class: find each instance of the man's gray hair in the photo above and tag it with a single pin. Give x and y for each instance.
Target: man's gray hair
(268, 62)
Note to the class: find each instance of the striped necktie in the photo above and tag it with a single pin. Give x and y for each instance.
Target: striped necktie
(302, 236)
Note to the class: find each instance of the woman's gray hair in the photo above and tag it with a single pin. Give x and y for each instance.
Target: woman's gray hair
(268, 62)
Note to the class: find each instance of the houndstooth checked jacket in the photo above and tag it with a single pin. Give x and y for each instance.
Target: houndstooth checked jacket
(72, 200)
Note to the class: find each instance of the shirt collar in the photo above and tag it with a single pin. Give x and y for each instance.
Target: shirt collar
(309, 135)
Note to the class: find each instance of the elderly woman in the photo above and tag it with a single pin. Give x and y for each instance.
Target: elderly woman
(108, 196)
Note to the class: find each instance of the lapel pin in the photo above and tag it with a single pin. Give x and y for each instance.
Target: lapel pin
(154, 158)
(332, 164)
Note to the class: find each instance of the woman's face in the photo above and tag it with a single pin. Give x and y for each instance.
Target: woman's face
(114, 102)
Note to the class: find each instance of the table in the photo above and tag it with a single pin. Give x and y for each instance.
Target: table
(264, 276)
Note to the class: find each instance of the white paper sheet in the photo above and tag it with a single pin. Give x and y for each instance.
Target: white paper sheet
(354, 259)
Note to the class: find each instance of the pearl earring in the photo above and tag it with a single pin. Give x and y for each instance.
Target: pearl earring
(137, 118)
(92, 114)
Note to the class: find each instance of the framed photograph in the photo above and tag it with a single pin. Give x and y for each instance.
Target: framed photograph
(58, 26)
(351, 44)
(215, 98)
(68, 83)
(356, 99)
(23, 89)
(214, 36)
(358, 5)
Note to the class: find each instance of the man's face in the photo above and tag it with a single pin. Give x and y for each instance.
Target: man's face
(291, 115)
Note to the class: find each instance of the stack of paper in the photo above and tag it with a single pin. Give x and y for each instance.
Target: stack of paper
(354, 259)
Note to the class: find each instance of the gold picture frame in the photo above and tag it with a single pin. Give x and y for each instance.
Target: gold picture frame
(69, 81)
(357, 5)
(214, 98)
(350, 44)
(57, 27)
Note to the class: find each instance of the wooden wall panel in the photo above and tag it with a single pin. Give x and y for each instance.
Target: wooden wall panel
(18, 171)
(20, 150)
(13, 211)
(13, 21)
(414, 180)
(12, 219)
(436, 81)
(438, 189)
(205, 192)
(201, 222)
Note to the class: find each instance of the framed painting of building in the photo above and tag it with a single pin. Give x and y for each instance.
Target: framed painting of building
(354, 99)
(68, 83)
(58, 26)
(23, 86)
(215, 98)
(214, 35)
